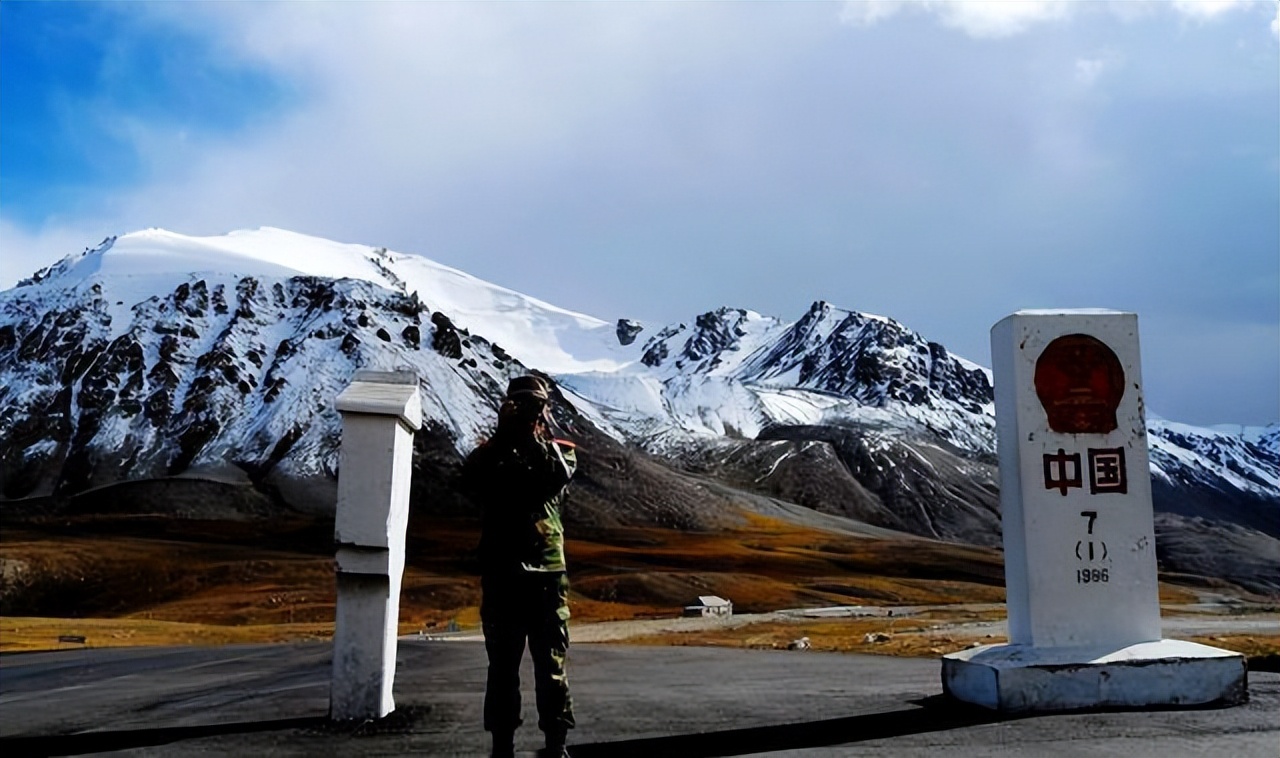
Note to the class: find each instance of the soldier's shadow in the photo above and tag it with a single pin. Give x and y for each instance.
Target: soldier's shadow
(934, 714)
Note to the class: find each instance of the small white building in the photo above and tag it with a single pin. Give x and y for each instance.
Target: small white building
(709, 605)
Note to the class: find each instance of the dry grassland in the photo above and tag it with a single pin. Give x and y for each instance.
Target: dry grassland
(931, 636)
(156, 581)
(1253, 646)
(898, 637)
(26, 634)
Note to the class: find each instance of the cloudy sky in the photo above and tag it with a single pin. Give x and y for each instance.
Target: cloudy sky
(941, 163)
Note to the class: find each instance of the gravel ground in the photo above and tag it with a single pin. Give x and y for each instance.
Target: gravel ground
(1178, 622)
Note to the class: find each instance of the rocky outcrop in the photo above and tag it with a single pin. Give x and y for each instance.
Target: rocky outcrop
(627, 330)
(870, 359)
(908, 483)
(1216, 548)
(231, 375)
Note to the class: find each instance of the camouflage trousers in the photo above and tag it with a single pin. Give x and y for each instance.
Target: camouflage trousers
(515, 608)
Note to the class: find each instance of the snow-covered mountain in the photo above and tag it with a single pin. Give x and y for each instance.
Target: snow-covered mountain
(156, 353)
(159, 355)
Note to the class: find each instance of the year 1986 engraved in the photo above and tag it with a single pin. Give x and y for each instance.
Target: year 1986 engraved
(1089, 576)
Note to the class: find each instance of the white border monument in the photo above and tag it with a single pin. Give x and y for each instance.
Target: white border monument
(380, 412)
(1079, 541)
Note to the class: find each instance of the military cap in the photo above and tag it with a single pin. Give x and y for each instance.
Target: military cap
(528, 385)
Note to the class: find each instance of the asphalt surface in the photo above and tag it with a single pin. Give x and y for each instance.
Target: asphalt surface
(271, 700)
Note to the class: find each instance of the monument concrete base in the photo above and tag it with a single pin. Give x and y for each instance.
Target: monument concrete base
(1020, 678)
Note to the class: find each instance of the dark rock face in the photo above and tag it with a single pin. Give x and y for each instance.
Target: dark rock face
(447, 340)
(1205, 490)
(219, 299)
(227, 376)
(1202, 547)
(173, 388)
(869, 359)
(713, 334)
(1192, 499)
(627, 331)
(656, 350)
(805, 472)
(911, 484)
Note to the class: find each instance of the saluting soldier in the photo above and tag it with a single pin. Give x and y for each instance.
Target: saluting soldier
(520, 476)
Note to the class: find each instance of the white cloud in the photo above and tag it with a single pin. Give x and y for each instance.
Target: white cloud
(1210, 10)
(1088, 70)
(992, 18)
(977, 18)
(1206, 9)
(1006, 18)
(869, 12)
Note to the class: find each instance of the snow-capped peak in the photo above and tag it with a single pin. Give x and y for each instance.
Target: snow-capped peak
(158, 256)
(141, 264)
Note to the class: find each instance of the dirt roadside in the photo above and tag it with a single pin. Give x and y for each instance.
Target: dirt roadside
(911, 629)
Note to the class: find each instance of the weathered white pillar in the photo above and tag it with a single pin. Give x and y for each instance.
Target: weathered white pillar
(380, 412)
(1079, 537)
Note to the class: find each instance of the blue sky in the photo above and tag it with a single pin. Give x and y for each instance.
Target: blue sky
(941, 163)
(75, 75)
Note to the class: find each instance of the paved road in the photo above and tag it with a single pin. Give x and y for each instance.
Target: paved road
(631, 701)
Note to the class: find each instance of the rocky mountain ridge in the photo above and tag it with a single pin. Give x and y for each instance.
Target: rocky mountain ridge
(157, 355)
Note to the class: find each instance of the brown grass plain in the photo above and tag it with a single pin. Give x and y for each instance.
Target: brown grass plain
(142, 580)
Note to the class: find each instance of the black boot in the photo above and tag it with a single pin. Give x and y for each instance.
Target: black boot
(504, 745)
(555, 744)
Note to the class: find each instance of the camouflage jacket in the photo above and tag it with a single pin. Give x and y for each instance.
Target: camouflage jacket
(521, 484)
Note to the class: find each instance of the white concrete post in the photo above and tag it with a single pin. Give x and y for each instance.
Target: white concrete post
(380, 412)
(1079, 537)
(1080, 551)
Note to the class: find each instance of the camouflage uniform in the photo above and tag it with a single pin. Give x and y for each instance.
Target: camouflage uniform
(521, 479)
